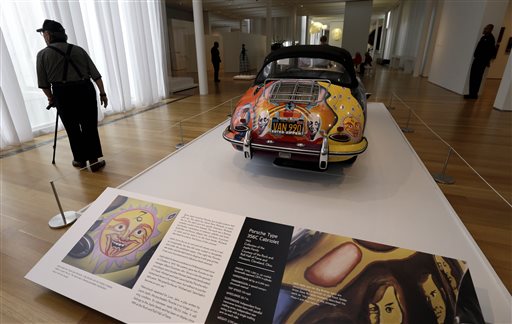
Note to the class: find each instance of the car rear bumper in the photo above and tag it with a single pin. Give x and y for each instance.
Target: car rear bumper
(329, 150)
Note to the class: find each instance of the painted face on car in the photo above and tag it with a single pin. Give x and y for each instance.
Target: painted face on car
(314, 124)
(243, 115)
(263, 121)
(352, 126)
(126, 232)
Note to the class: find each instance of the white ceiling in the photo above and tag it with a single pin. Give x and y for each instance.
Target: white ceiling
(228, 12)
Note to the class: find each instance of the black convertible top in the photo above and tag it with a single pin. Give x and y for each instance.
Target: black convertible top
(327, 52)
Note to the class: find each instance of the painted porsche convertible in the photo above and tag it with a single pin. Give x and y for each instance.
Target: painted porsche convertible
(306, 104)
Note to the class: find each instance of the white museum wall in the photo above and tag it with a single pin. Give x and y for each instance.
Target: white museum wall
(183, 48)
(220, 30)
(459, 31)
(356, 26)
(208, 40)
(182, 40)
(258, 26)
(232, 45)
(283, 29)
(256, 46)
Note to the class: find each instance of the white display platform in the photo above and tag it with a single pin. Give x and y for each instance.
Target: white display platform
(386, 196)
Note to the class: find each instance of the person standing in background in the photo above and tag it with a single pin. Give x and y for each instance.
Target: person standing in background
(357, 60)
(64, 73)
(216, 61)
(244, 61)
(484, 52)
(367, 62)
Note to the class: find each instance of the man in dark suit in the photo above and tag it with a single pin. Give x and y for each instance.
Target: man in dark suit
(216, 60)
(484, 52)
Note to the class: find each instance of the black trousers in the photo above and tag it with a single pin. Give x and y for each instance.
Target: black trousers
(216, 66)
(475, 76)
(78, 109)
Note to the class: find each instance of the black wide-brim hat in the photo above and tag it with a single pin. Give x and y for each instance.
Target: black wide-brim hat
(51, 26)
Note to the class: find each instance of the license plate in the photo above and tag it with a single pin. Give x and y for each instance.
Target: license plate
(285, 155)
(287, 127)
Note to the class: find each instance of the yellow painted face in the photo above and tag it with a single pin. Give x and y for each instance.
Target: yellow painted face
(126, 232)
(434, 298)
(445, 268)
(352, 126)
(387, 309)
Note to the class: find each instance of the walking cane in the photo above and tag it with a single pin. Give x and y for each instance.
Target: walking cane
(55, 136)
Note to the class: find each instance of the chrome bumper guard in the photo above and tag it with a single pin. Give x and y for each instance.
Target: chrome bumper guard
(324, 154)
(247, 145)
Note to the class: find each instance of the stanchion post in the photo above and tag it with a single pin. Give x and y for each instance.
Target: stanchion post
(181, 144)
(391, 102)
(231, 108)
(442, 177)
(407, 129)
(64, 218)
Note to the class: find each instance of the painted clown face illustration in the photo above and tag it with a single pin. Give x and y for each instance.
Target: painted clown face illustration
(314, 124)
(126, 232)
(263, 121)
(352, 126)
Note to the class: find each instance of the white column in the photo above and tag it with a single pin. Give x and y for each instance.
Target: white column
(503, 97)
(197, 7)
(376, 38)
(269, 25)
(303, 29)
(356, 26)
(294, 28)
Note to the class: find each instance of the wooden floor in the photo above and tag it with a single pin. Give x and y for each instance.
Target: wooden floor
(479, 135)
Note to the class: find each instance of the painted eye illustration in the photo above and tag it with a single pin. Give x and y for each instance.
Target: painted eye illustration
(139, 233)
(120, 227)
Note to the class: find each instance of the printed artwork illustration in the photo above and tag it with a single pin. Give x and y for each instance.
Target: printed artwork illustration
(334, 279)
(121, 242)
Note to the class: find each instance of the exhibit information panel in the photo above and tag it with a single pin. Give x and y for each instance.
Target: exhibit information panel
(139, 258)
